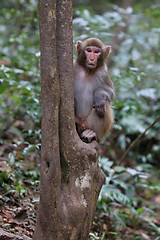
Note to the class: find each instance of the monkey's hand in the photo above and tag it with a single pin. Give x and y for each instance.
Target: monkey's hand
(100, 108)
(108, 97)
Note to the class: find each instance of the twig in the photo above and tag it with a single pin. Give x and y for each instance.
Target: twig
(137, 139)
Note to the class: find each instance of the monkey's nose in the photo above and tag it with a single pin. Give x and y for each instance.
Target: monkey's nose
(92, 59)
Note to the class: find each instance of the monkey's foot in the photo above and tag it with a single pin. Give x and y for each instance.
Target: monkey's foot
(88, 136)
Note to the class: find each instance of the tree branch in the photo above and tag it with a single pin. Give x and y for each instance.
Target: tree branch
(137, 139)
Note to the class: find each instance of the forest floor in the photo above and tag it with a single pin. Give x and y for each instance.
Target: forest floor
(18, 205)
(19, 197)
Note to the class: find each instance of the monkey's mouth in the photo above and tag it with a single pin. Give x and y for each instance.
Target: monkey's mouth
(91, 65)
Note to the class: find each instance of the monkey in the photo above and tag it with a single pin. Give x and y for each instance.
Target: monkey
(93, 90)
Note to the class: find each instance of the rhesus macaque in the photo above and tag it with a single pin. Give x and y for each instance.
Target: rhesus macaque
(93, 90)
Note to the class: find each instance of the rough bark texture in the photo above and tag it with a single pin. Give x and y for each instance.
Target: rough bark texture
(70, 177)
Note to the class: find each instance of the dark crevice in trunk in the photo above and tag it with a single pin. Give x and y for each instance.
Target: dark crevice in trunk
(64, 169)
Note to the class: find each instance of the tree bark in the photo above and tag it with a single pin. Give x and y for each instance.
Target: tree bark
(70, 176)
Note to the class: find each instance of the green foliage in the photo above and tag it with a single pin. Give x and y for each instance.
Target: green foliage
(128, 198)
(20, 108)
(20, 92)
(121, 197)
(19, 72)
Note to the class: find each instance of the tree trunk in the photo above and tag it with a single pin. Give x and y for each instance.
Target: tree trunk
(70, 176)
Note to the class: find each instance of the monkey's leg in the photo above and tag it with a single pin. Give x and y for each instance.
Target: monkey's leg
(100, 125)
(84, 133)
(80, 125)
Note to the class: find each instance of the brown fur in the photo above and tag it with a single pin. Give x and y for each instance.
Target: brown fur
(92, 88)
(91, 42)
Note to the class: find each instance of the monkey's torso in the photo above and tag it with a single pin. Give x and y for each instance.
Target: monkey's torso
(83, 93)
(85, 87)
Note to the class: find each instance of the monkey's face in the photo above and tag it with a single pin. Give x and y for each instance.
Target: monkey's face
(92, 55)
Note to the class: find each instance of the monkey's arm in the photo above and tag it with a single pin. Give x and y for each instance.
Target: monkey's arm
(99, 99)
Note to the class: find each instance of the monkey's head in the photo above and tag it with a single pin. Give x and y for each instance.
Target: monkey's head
(92, 53)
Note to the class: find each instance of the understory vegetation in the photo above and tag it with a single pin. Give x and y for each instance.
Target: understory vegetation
(129, 204)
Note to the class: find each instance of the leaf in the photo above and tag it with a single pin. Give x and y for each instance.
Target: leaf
(119, 169)
(147, 93)
(3, 87)
(132, 171)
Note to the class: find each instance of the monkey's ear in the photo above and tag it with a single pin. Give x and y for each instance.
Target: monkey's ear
(108, 50)
(78, 45)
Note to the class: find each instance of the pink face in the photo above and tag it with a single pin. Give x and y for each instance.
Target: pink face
(92, 55)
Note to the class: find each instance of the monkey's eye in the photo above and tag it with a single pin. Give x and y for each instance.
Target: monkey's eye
(97, 51)
(89, 50)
